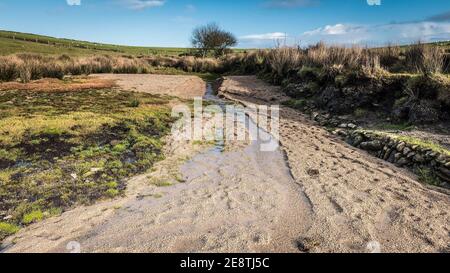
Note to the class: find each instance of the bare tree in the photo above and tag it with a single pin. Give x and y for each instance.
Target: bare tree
(212, 38)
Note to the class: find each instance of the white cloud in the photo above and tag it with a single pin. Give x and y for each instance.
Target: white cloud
(349, 34)
(73, 2)
(265, 40)
(265, 37)
(143, 4)
(379, 34)
(338, 29)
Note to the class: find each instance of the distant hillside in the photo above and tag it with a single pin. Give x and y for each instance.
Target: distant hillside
(16, 42)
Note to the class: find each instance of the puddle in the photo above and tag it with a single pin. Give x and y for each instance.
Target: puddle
(216, 164)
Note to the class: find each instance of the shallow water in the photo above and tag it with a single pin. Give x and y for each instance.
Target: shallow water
(270, 163)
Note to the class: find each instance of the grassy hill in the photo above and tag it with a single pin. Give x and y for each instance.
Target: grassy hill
(16, 42)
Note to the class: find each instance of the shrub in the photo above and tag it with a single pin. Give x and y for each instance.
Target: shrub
(32, 217)
(9, 68)
(7, 229)
(390, 56)
(425, 59)
(134, 103)
(283, 60)
(426, 176)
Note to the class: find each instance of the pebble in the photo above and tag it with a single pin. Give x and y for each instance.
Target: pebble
(401, 146)
(352, 126)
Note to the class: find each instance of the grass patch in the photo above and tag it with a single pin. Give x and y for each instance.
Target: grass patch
(423, 144)
(61, 149)
(360, 113)
(413, 141)
(426, 176)
(162, 184)
(395, 127)
(33, 217)
(13, 42)
(295, 104)
(16, 42)
(7, 229)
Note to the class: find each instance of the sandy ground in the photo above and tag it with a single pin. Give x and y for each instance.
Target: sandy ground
(55, 85)
(355, 198)
(185, 87)
(328, 198)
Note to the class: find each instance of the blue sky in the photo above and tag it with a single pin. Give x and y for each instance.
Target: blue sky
(257, 23)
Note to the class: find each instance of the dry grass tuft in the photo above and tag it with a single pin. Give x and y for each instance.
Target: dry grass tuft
(425, 59)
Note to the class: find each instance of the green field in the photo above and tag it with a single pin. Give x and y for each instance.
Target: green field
(16, 42)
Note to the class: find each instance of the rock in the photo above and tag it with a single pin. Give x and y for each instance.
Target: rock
(403, 161)
(406, 151)
(419, 158)
(315, 115)
(444, 174)
(387, 154)
(391, 157)
(411, 155)
(447, 165)
(441, 159)
(352, 126)
(401, 146)
(372, 145)
(342, 133)
(431, 154)
(358, 140)
(74, 175)
(392, 144)
(398, 156)
(6, 218)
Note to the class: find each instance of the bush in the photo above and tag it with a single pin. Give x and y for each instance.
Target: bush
(32, 217)
(425, 59)
(134, 103)
(284, 60)
(9, 68)
(7, 229)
